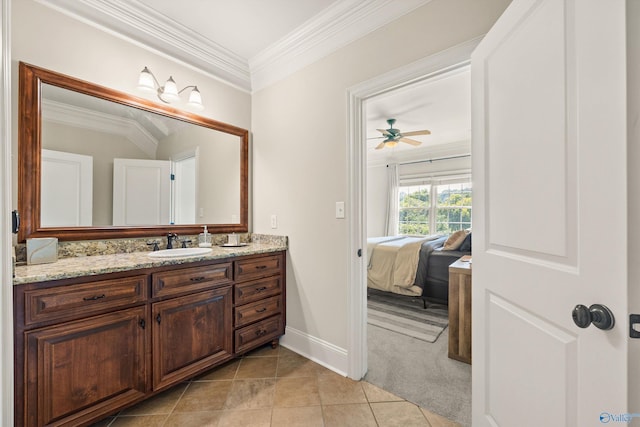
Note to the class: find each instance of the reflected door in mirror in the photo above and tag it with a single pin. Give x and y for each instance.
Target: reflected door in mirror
(141, 192)
(67, 189)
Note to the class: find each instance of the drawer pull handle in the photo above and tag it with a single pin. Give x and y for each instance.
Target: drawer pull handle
(261, 332)
(261, 310)
(142, 323)
(260, 289)
(198, 279)
(260, 267)
(93, 298)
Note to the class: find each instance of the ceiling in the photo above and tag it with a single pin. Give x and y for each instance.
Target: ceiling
(247, 43)
(246, 27)
(253, 43)
(441, 104)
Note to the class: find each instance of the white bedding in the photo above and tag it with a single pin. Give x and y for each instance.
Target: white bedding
(393, 262)
(372, 242)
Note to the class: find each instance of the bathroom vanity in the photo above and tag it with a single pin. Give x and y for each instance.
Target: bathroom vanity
(96, 334)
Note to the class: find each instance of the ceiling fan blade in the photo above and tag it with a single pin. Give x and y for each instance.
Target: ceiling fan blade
(380, 146)
(410, 141)
(417, 132)
(383, 131)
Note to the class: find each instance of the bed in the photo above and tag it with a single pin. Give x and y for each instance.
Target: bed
(414, 266)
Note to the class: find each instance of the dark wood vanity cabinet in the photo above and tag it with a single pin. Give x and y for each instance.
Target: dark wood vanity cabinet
(79, 370)
(259, 301)
(85, 348)
(190, 333)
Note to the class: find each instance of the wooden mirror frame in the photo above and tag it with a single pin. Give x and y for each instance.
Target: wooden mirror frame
(29, 159)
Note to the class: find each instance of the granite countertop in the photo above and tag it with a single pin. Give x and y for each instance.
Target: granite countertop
(100, 264)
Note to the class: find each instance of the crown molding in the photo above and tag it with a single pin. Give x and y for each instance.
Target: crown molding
(57, 112)
(142, 25)
(340, 24)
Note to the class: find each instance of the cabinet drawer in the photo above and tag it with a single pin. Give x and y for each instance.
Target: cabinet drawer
(254, 291)
(250, 313)
(258, 267)
(82, 299)
(191, 279)
(258, 333)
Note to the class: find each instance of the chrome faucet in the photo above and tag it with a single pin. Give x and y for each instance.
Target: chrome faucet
(171, 237)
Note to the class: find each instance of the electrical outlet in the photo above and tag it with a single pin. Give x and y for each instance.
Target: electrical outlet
(274, 221)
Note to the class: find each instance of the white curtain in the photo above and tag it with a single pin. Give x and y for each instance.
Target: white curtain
(392, 217)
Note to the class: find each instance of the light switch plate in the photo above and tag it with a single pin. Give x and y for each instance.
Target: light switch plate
(340, 210)
(274, 221)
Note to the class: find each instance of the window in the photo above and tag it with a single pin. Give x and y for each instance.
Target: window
(453, 207)
(434, 205)
(415, 204)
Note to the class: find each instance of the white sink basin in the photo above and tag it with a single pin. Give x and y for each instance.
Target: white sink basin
(179, 252)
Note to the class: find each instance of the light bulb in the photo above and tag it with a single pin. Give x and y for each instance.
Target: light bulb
(146, 81)
(170, 91)
(195, 99)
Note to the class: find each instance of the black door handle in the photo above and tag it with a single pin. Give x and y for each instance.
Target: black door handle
(598, 314)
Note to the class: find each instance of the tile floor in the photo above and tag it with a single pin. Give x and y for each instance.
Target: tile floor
(274, 387)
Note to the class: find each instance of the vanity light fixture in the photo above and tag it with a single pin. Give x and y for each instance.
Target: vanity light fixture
(169, 92)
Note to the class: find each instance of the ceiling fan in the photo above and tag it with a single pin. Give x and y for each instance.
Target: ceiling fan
(392, 136)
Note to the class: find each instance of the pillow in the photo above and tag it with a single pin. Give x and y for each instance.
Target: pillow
(466, 244)
(455, 240)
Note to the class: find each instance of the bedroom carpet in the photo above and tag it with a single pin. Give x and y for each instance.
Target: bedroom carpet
(420, 372)
(406, 315)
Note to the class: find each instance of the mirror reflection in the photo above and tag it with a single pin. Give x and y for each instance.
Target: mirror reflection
(96, 163)
(108, 164)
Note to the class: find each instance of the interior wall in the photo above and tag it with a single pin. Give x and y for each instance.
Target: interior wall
(300, 154)
(47, 38)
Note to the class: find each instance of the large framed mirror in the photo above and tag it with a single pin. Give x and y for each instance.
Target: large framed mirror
(96, 163)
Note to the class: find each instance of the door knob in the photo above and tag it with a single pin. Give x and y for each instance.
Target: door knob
(598, 314)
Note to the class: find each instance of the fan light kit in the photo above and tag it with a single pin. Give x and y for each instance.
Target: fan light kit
(169, 92)
(392, 136)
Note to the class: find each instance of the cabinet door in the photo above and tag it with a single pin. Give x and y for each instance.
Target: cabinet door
(190, 334)
(79, 371)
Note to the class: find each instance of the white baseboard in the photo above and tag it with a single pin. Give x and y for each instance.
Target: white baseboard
(326, 354)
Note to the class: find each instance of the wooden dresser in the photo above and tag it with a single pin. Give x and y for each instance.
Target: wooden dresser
(89, 346)
(460, 311)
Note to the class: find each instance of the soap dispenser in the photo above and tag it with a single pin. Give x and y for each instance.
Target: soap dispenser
(204, 239)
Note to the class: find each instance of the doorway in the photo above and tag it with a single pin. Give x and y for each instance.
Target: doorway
(415, 191)
(358, 96)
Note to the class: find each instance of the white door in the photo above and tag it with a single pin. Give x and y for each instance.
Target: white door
(185, 188)
(141, 192)
(66, 189)
(550, 226)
